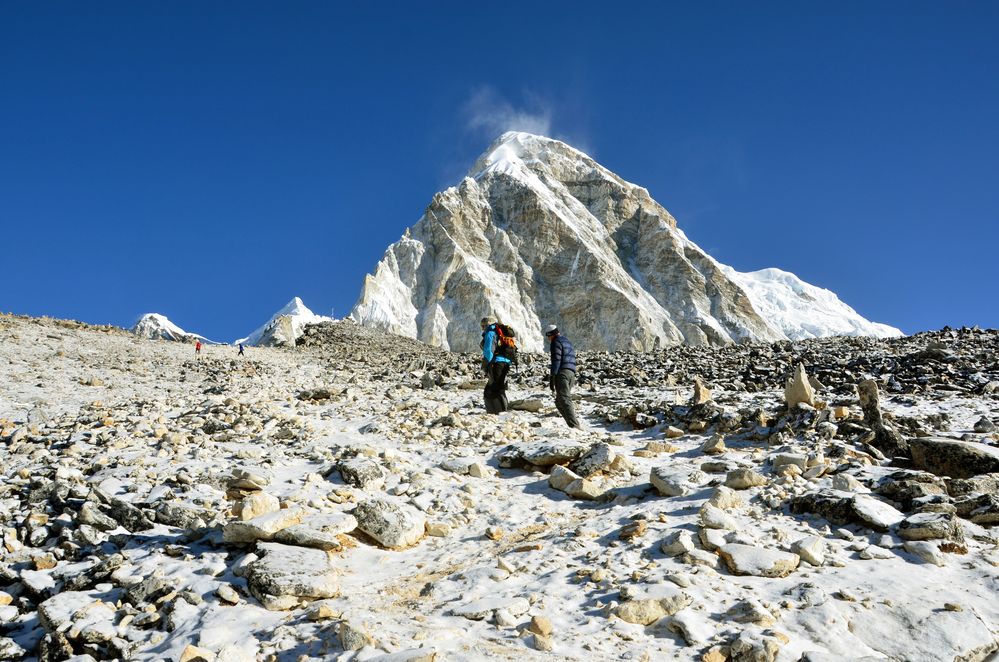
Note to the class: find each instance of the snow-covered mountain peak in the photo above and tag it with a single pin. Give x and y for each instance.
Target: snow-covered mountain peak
(539, 232)
(801, 310)
(296, 307)
(158, 327)
(284, 326)
(524, 155)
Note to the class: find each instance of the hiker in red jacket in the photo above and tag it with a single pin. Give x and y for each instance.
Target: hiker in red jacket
(197, 347)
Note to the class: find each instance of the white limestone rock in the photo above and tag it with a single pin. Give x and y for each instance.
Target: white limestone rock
(716, 518)
(393, 524)
(478, 610)
(811, 549)
(319, 531)
(678, 542)
(725, 498)
(560, 477)
(758, 561)
(669, 482)
(927, 551)
(284, 575)
(257, 504)
(876, 513)
(263, 527)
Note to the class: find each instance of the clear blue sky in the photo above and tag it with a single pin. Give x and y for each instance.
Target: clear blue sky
(211, 160)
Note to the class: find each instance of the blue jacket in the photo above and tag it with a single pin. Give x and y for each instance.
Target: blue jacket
(563, 355)
(489, 346)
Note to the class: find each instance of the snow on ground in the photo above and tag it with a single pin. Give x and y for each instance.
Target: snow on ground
(509, 547)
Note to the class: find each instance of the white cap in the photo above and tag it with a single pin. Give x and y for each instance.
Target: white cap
(551, 329)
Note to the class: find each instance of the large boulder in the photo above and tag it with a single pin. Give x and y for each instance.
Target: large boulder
(393, 524)
(540, 454)
(319, 531)
(263, 527)
(953, 458)
(886, 438)
(758, 561)
(284, 575)
(798, 389)
(846, 507)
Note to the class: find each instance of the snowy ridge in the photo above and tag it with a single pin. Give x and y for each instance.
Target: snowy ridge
(538, 232)
(299, 315)
(803, 311)
(157, 327)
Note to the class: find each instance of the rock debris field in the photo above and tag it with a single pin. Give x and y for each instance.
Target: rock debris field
(350, 500)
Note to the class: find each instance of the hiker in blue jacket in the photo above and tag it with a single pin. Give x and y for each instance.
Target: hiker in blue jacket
(495, 367)
(562, 377)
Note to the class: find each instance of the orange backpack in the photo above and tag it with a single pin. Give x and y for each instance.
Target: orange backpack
(506, 342)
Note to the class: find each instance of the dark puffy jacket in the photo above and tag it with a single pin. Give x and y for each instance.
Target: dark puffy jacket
(563, 355)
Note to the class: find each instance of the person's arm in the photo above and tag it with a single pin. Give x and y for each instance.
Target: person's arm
(556, 356)
(487, 346)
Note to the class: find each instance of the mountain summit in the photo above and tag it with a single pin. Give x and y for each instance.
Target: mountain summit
(284, 326)
(539, 232)
(158, 327)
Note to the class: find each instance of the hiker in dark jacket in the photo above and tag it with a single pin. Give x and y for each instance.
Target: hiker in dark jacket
(562, 377)
(495, 368)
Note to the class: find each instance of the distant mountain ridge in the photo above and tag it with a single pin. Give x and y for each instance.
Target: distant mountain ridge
(538, 232)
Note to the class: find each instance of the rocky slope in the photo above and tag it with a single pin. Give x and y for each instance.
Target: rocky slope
(538, 232)
(349, 499)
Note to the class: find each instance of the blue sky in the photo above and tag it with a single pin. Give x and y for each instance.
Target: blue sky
(210, 161)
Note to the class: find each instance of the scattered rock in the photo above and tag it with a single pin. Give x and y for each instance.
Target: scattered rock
(714, 446)
(956, 459)
(284, 575)
(263, 527)
(393, 524)
(744, 479)
(758, 561)
(811, 549)
(667, 482)
(929, 526)
(798, 389)
(701, 393)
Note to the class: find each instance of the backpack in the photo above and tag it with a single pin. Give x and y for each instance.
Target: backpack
(506, 342)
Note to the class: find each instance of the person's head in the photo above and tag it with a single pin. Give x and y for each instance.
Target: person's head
(551, 332)
(488, 320)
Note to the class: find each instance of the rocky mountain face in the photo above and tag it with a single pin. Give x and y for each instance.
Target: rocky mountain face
(538, 232)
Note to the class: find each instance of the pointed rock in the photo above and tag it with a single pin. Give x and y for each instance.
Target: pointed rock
(798, 389)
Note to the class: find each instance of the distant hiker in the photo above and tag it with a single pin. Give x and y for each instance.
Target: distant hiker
(197, 347)
(562, 377)
(240, 349)
(499, 349)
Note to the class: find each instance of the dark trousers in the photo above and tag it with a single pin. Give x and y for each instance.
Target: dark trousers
(495, 391)
(564, 381)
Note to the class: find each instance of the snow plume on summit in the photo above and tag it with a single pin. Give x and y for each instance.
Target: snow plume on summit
(284, 326)
(486, 111)
(538, 232)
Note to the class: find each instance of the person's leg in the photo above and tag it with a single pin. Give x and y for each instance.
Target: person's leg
(564, 381)
(489, 392)
(501, 372)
